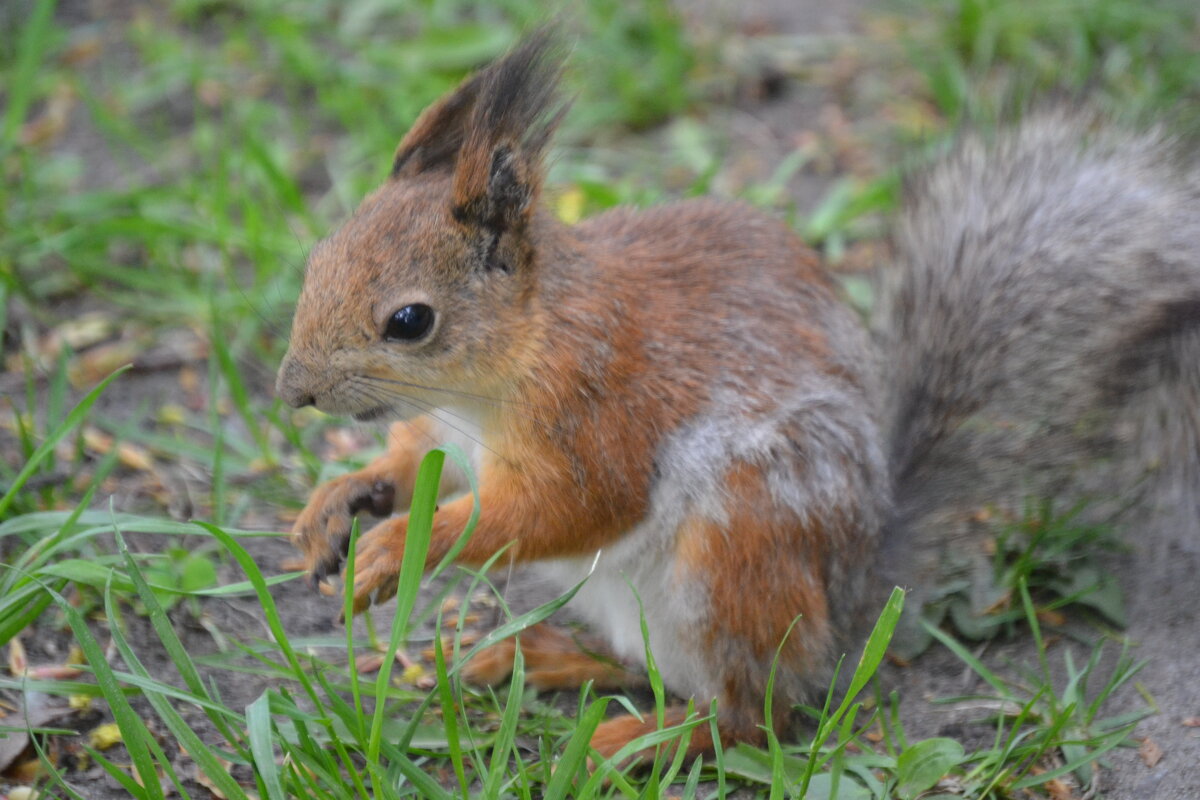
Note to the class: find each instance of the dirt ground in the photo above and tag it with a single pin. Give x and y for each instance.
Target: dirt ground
(1160, 577)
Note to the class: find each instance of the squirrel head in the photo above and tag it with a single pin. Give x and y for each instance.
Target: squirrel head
(430, 287)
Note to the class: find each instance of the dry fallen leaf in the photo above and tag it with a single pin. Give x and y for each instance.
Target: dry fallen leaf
(50, 124)
(130, 455)
(1003, 603)
(84, 331)
(18, 664)
(1191, 722)
(104, 736)
(172, 414)
(75, 655)
(1052, 617)
(1060, 790)
(12, 745)
(83, 51)
(55, 672)
(95, 364)
(1150, 752)
(39, 710)
(28, 771)
(207, 782)
(368, 663)
(189, 380)
(417, 675)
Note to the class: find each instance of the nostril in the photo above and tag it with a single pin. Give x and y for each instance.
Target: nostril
(296, 398)
(293, 384)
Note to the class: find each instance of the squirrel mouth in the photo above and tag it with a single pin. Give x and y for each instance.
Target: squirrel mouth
(371, 414)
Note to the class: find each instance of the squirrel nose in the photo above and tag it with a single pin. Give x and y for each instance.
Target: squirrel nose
(291, 384)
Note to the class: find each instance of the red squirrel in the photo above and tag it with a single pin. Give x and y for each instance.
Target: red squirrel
(681, 391)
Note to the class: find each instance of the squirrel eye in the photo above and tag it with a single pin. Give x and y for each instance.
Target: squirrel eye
(410, 322)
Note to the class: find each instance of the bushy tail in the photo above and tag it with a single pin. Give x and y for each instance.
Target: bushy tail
(1040, 336)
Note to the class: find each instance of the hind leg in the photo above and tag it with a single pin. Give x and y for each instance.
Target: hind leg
(555, 658)
(764, 612)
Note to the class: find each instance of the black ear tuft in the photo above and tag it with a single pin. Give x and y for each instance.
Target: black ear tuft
(504, 181)
(498, 172)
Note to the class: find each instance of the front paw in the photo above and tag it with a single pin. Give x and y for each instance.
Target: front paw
(322, 531)
(377, 562)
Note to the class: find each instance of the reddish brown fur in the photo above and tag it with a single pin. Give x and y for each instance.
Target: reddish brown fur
(746, 559)
(594, 345)
(555, 658)
(755, 603)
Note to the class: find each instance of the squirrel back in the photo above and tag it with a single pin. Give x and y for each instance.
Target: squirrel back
(1039, 335)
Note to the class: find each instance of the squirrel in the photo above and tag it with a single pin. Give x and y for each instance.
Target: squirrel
(681, 391)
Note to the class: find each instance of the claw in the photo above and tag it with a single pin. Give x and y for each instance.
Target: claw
(379, 499)
(360, 502)
(329, 565)
(387, 589)
(361, 603)
(383, 499)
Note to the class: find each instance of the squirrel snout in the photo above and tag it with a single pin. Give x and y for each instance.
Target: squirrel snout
(292, 383)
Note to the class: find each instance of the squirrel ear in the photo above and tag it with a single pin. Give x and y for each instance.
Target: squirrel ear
(495, 189)
(437, 136)
(498, 171)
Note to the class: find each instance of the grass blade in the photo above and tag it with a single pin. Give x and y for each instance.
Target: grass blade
(134, 734)
(258, 727)
(412, 568)
(54, 437)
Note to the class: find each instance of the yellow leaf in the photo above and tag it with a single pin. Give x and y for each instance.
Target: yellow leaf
(412, 673)
(135, 457)
(105, 736)
(18, 664)
(172, 414)
(569, 206)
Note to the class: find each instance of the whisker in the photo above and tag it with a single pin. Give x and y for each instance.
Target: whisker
(494, 401)
(271, 325)
(498, 401)
(385, 397)
(300, 246)
(383, 394)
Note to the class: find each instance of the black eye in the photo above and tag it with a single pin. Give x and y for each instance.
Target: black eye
(410, 322)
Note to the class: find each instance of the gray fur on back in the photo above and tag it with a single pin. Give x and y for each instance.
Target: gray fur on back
(1040, 335)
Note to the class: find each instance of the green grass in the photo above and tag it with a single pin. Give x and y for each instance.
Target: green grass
(990, 59)
(161, 179)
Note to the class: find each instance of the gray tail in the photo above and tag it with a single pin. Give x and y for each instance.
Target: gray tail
(1040, 331)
